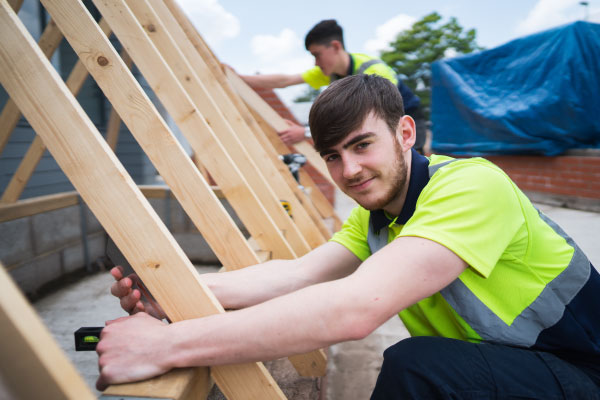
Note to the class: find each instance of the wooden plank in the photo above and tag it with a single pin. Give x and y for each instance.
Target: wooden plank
(41, 204)
(111, 194)
(261, 176)
(49, 41)
(199, 134)
(32, 364)
(151, 132)
(114, 120)
(37, 205)
(174, 385)
(8, 121)
(112, 129)
(321, 203)
(275, 172)
(215, 67)
(245, 128)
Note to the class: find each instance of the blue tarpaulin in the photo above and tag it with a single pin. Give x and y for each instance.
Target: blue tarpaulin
(539, 94)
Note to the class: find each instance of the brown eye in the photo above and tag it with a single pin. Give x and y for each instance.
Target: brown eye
(331, 157)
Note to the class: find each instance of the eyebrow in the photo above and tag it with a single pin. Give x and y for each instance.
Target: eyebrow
(354, 140)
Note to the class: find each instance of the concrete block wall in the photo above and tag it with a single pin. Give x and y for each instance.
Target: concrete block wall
(42, 248)
(39, 251)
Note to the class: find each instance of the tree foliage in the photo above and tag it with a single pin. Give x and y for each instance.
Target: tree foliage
(426, 41)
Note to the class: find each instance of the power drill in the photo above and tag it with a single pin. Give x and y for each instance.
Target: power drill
(294, 161)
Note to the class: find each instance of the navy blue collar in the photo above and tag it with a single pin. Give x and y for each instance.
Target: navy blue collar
(419, 177)
(335, 77)
(350, 66)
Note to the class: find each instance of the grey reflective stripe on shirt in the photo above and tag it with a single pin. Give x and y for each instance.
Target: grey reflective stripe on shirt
(545, 311)
(363, 67)
(377, 240)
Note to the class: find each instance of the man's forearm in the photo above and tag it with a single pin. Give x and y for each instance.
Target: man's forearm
(311, 318)
(272, 81)
(256, 284)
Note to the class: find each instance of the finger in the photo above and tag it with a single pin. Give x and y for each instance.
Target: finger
(117, 272)
(129, 302)
(121, 288)
(139, 308)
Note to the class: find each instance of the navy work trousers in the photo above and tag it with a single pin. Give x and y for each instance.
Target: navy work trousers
(441, 368)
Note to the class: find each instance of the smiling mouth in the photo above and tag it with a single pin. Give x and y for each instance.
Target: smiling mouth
(360, 185)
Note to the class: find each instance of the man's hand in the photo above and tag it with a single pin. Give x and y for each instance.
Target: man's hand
(293, 134)
(132, 349)
(130, 298)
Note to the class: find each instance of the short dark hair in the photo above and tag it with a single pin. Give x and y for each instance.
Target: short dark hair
(324, 32)
(346, 103)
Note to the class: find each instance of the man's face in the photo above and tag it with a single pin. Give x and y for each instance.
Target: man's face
(326, 57)
(370, 167)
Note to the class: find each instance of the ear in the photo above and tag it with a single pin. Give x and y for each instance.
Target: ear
(406, 132)
(337, 45)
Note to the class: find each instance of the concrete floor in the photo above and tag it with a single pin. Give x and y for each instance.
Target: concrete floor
(353, 366)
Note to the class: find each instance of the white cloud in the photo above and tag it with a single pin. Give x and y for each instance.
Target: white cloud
(212, 21)
(549, 13)
(280, 54)
(387, 32)
(271, 48)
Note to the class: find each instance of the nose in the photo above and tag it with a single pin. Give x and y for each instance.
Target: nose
(351, 167)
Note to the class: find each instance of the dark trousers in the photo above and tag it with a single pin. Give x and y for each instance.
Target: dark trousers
(440, 368)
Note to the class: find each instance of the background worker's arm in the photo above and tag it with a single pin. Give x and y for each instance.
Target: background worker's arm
(272, 81)
(293, 134)
(399, 275)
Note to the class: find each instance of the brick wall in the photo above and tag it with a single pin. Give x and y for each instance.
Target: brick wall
(576, 176)
(276, 104)
(568, 181)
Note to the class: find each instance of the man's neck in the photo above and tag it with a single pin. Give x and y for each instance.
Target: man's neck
(394, 208)
(341, 68)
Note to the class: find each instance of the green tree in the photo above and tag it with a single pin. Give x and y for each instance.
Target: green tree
(426, 41)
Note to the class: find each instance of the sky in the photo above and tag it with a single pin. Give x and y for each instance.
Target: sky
(267, 36)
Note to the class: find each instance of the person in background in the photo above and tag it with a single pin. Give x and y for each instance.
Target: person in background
(325, 41)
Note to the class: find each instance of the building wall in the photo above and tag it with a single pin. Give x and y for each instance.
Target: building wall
(48, 177)
(569, 180)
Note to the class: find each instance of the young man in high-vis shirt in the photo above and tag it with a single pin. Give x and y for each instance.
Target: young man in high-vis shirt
(325, 41)
(499, 301)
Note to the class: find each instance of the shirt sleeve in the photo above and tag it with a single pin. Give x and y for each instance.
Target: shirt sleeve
(472, 209)
(353, 234)
(315, 77)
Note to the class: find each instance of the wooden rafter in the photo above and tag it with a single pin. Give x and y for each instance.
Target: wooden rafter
(112, 195)
(30, 353)
(277, 173)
